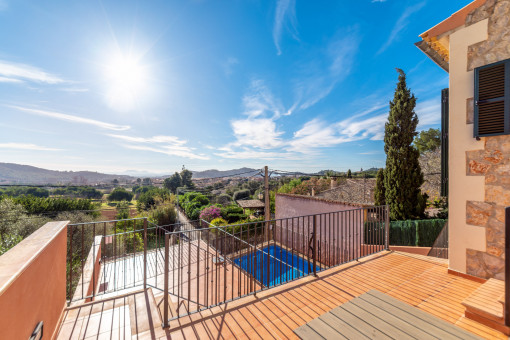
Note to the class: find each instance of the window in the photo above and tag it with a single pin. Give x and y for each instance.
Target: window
(492, 99)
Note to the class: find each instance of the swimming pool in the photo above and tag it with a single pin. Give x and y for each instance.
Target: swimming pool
(283, 265)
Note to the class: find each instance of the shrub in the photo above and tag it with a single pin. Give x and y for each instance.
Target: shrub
(120, 194)
(219, 222)
(420, 233)
(151, 198)
(210, 213)
(163, 215)
(223, 199)
(241, 194)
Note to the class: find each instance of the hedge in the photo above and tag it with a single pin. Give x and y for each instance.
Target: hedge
(421, 233)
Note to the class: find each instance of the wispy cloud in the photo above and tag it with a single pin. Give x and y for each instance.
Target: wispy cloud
(318, 80)
(10, 80)
(168, 145)
(75, 89)
(26, 146)
(429, 112)
(229, 64)
(71, 118)
(27, 72)
(285, 16)
(401, 24)
(378, 0)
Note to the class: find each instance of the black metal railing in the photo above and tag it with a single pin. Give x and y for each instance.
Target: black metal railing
(210, 266)
(440, 247)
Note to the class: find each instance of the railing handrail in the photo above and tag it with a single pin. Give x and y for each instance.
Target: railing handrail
(110, 221)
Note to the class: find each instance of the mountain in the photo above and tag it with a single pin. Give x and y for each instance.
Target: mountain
(11, 173)
(213, 173)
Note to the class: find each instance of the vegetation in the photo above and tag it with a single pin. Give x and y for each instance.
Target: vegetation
(210, 213)
(349, 173)
(186, 181)
(120, 194)
(152, 197)
(402, 175)
(379, 192)
(193, 203)
(39, 205)
(428, 140)
(420, 233)
(79, 191)
(241, 195)
(173, 182)
(20, 191)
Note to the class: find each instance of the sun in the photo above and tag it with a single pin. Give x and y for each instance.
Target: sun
(126, 81)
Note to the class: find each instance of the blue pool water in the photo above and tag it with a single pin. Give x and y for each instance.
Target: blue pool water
(283, 265)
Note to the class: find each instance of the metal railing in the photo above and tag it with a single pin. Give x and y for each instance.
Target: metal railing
(440, 247)
(214, 265)
(197, 265)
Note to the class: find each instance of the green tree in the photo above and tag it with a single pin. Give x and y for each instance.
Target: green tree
(115, 182)
(402, 175)
(428, 140)
(379, 192)
(186, 181)
(173, 182)
(120, 194)
(349, 173)
(147, 181)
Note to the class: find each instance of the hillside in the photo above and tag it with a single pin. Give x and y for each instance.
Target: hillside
(11, 173)
(221, 173)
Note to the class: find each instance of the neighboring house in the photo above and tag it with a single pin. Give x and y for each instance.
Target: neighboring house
(473, 46)
(357, 191)
(254, 205)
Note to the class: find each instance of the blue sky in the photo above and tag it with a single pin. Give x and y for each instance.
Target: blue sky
(113, 86)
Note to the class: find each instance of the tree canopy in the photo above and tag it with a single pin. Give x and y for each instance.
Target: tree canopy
(428, 140)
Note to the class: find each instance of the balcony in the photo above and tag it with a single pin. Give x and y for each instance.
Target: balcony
(130, 278)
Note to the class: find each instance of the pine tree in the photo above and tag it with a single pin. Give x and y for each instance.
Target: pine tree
(349, 174)
(379, 192)
(402, 175)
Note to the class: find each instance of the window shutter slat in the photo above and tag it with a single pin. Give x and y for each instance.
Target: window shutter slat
(490, 99)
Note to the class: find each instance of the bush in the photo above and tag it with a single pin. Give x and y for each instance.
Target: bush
(192, 203)
(163, 215)
(39, 205)
(219, 222)
(241, 194)
(153, 197)
(223, 199)
(120, 194)
(420, 233)
(210, 213)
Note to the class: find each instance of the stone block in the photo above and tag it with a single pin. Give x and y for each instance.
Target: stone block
(497, 194)
(470, 111)
(478, 213)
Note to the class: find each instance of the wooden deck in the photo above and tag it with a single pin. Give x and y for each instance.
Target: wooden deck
(275, 313)
(377, 315)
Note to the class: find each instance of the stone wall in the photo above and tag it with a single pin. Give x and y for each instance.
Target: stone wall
(493, 161)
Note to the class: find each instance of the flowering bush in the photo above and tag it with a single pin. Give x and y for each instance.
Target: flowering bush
(210, 213)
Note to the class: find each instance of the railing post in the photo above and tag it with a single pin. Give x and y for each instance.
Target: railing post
(314, 254)
(145, 253)
(387, 228)
(507, 267)
(165, 292)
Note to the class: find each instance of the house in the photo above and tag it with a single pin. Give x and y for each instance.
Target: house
(256, 205)
(105, 280)
(473, 46)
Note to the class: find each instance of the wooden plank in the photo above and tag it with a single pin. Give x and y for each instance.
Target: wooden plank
(424, 316)
(374, 321)
(387, 317)
(347, 330)
(397, 312)
(361, 325)
(305, 332)
(325, 330)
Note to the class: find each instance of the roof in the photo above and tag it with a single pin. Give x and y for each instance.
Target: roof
(250, 204)
(436, 40)
(315, 198)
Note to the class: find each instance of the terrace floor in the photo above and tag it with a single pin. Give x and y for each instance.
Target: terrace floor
(275, 313)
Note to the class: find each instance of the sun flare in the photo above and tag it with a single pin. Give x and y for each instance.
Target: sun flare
(127, 81)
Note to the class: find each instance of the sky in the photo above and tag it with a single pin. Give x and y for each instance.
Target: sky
(152, 86)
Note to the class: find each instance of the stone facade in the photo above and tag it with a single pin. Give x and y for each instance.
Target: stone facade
(493, 161)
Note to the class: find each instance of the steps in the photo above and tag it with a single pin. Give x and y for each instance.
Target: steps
(485, 305)
(144, 314)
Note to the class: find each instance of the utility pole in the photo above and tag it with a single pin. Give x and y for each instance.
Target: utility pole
(267, 211)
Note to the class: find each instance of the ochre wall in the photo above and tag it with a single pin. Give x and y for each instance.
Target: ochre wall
(33, 283)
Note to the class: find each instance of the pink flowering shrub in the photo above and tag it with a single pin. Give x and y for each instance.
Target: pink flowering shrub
(210, 213)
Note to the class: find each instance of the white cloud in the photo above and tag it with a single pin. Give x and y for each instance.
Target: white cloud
(378, 0)
(285, 12)
(429, 112)
(26, 146)
(28, 73)
(401, 24)
(75, 89)
(319, 80)
(10, 80)
(71, 118)
(257, 132)
(168, 145)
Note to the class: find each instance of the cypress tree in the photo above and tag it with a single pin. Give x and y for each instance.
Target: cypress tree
(349, 174)
(379, 192)
(402, 175)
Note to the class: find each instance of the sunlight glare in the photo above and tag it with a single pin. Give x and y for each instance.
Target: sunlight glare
(127, 80)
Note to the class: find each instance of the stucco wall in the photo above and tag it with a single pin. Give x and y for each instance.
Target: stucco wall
(339, 227)
(33, 283)
(479, 175)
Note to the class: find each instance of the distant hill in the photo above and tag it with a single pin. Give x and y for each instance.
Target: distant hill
(11, 173)
(213, 173)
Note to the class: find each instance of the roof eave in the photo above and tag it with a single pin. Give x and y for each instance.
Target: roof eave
(432, 54)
